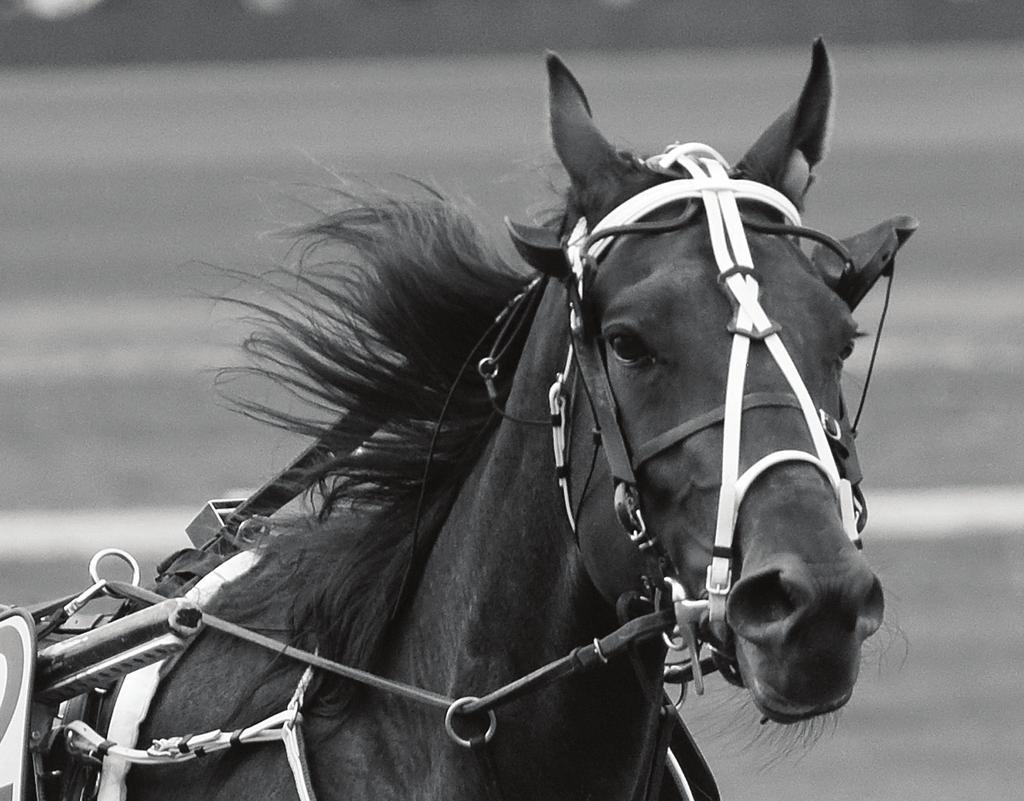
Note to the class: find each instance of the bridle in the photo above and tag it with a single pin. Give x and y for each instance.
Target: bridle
(704, 178)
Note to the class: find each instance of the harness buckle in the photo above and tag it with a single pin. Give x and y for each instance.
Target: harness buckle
(717, 584)
(627, 507)
(830, 424)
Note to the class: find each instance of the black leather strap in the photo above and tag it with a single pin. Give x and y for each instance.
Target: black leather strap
(693, 765)
(682, 431)
(602, 404)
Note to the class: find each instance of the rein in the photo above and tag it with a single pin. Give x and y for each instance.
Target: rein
(580, 659)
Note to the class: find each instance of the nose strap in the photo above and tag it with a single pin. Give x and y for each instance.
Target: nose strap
(683, 431)
(763, 464)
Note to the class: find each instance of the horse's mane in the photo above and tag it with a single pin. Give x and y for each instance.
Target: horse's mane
(379, 322)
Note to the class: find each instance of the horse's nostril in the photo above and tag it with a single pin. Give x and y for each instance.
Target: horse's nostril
(770, 604)
(873, 609)
(762, 602)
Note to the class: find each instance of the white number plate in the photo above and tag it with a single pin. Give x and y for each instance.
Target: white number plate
(17, 662)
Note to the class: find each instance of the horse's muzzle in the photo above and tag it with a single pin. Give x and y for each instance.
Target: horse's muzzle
(799, 628)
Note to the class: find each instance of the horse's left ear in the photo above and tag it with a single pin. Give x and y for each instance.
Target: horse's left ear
(784, 155)
(872, 255)
(541, 248)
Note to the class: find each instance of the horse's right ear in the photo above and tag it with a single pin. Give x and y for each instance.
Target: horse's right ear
(541, 248)
(586, 155)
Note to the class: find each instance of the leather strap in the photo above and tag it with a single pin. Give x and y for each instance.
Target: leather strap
(675, 435)
(663, 739)
(602, 403)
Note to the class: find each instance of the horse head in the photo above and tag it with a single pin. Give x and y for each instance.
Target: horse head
(718, 345)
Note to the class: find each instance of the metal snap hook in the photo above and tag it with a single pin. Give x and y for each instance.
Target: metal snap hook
(449, 723)
(688, 614)
(117, 553)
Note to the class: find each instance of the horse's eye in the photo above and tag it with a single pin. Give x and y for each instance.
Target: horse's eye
(846, 352)
(629, 348)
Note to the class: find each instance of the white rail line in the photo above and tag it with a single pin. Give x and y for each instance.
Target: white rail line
(922, 514)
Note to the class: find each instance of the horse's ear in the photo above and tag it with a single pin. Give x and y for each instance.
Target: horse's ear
(784, 155)
(541, 248)
(872, 255)
(587, 156)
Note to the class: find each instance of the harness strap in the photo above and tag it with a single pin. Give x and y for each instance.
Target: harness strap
(602, 403)
(667, 721)
(580, 660)
(139, 687)
(560, 410)
(687, 766)
(683, 431)
(134, 593)
(295, 743)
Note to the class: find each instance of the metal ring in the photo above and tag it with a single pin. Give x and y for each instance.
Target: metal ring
(455, 709)
(671, 643)
(252, 528)
(488, 368)
(124, 556)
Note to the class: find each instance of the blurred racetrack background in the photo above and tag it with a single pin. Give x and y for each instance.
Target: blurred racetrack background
(148, 144)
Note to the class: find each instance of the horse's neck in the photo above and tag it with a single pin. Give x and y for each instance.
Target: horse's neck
(504, 592)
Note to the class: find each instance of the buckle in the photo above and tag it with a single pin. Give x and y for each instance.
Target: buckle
(717, 585)
(627, 508)
(830, 424)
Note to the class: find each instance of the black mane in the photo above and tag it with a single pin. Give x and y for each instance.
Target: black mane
(380, 321)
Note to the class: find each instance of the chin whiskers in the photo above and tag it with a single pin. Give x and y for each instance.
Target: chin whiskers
(791, 741)
(732, 717)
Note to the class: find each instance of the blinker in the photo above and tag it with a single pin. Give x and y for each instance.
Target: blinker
(541, 248)
(872, 255)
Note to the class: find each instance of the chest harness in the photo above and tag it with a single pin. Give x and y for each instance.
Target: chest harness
(707, 181)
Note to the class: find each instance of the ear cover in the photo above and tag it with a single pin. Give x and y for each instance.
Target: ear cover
(872, 254)
(541, 248)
